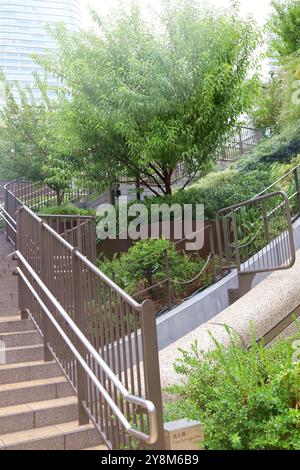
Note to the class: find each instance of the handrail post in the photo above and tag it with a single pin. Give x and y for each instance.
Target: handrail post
(151, 366)
(21, 287)
(169, 281)
(6, 208)
(79, 320)
(241, 144)
(212, 251)
(296, 176)
(43, 275)
(236, 240)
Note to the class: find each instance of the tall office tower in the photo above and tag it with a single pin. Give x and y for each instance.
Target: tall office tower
(23, 32)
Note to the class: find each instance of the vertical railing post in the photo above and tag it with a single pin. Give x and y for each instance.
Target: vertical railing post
(236, 240)
(43, 265)
(296, 176)
(79, 320)
(151, 366)
(265, 221)
(93, 240)
(6, 208)
(79, 244)
(212, 251)
(241, 144)
(21, 288)
(169, 281)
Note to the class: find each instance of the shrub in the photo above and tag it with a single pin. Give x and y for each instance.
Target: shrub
(67, 209)
(219, 191)
(246, 399)
(274, 150)
(143, 266)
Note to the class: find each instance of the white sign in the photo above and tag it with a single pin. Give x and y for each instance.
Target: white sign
(183, 435)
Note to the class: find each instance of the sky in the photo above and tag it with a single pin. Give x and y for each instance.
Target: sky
(259, 9)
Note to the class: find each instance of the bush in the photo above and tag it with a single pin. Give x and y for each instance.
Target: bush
(143, 266)
(246, 399)
(274, 150)
(67, 209)
(220, 190)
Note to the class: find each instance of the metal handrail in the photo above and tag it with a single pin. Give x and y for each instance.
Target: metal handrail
(85, 352)
(30, 184)
(277, 181)
(250, 201)
(68, 216)
(8, 219)
(231, 210)
(146, 404)
(79, 255)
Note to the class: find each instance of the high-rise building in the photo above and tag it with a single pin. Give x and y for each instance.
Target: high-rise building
(23, 32)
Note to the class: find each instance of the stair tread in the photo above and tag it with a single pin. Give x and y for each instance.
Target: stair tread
(43, 432)
(102, 447)
(32, 383)
(23, 332)
(18, 365)
(22, 348)
(10, 319)
(37, 406)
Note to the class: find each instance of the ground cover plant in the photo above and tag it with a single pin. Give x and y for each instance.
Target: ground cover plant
(245, 398)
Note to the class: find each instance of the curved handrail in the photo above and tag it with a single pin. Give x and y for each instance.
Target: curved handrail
(231, 211)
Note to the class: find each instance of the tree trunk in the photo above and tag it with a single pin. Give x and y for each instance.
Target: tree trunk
(167, 181)
(138, 189)
(59, 197)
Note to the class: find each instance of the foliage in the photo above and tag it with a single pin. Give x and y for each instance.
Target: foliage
(144, 265)
(245, 399)
(277, 105)
(266, 113)
(65, 210)
(154, 93)
(219, 190)
(278, 149)
(34, 135)
(285, 27)
(289, 78)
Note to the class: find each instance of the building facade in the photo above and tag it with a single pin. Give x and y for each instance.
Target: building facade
(23, 32)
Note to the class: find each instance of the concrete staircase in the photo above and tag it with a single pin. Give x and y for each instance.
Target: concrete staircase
(38, 408)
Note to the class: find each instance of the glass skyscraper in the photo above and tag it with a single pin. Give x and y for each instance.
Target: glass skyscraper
(23, 32)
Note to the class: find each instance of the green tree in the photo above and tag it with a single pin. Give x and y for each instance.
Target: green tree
(289, 79)
(278, 103)
(147, 95)
(33, 138)
(267, 110)
(285, 27)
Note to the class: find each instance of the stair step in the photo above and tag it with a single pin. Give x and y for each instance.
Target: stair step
(9, 304)
(14, 324)
(9, 312)
(66, 436)
(100, 448)
(24, 372)
(24, 354)
(21, 338)
(31, 391)
(38, 414)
